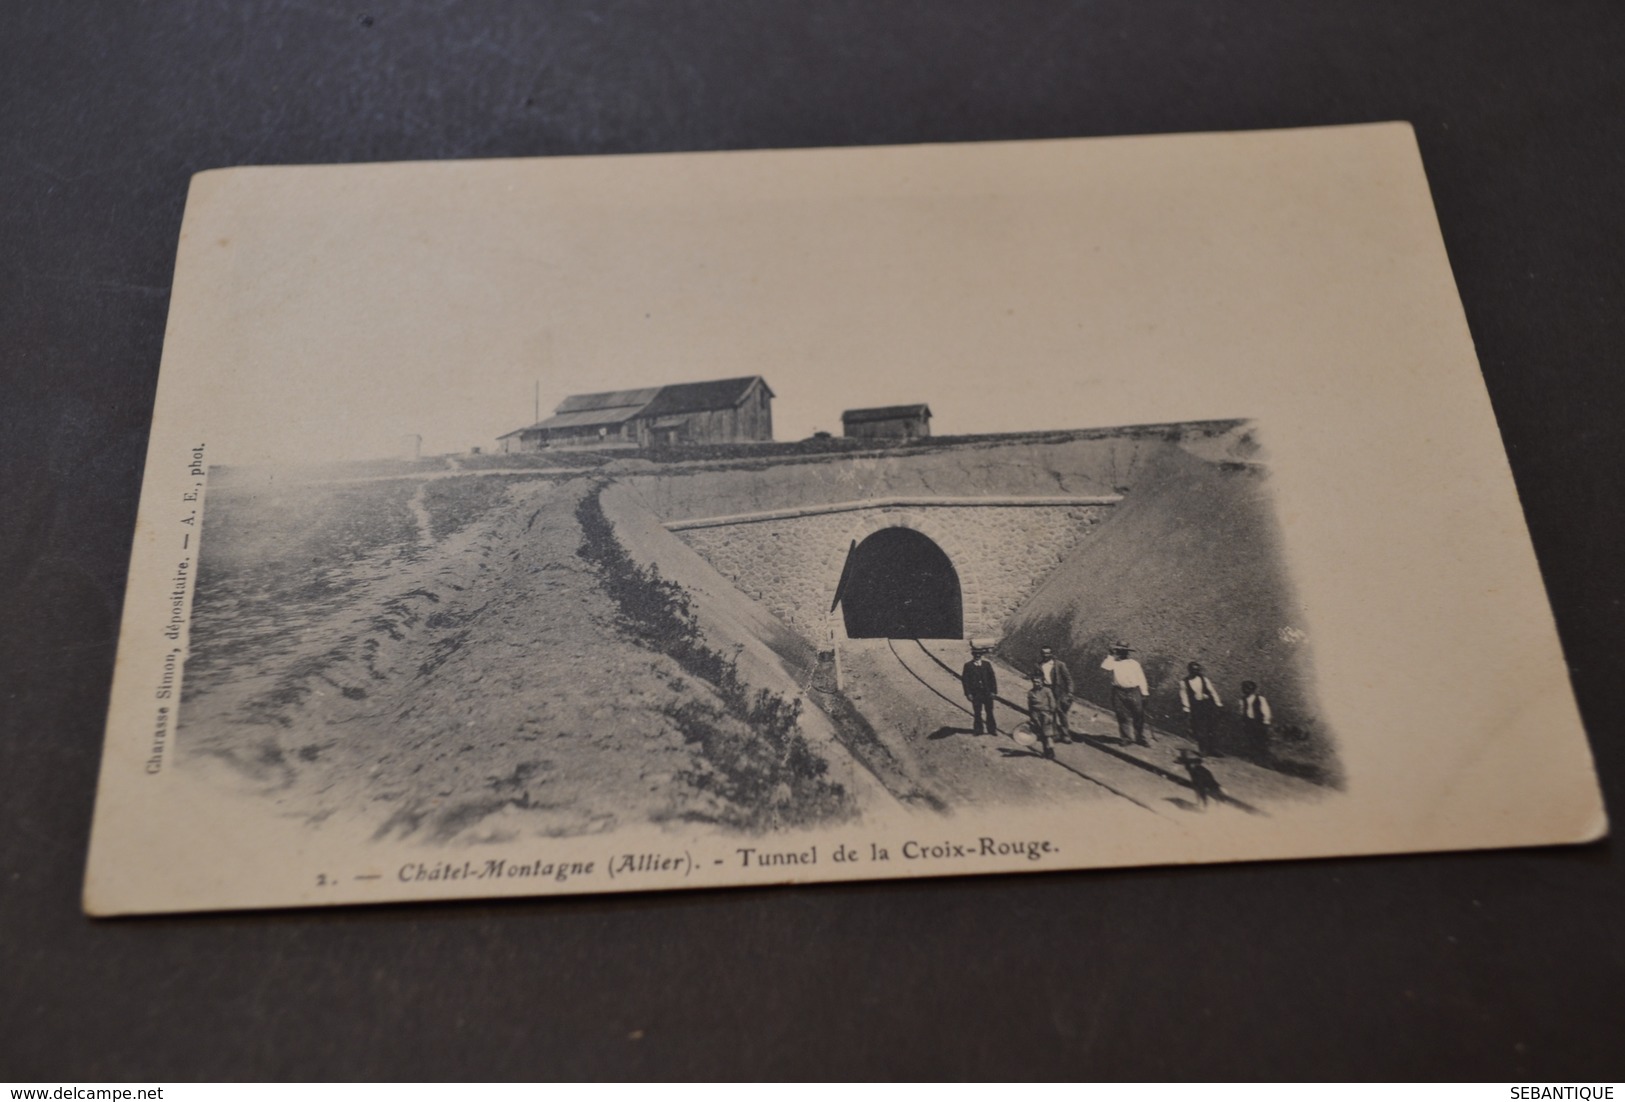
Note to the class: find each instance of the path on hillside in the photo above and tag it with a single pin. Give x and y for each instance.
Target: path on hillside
(477, 688)
(909, 689)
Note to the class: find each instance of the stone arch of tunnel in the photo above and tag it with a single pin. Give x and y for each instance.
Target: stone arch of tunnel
(791, 561)
(962, 607)
(901, 585)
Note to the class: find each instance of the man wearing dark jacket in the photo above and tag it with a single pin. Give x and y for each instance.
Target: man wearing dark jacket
(981, 686)
(1058, 680)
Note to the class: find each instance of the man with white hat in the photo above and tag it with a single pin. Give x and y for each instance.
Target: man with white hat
(1129, 690)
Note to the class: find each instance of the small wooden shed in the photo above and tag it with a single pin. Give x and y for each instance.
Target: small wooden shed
(888, 422)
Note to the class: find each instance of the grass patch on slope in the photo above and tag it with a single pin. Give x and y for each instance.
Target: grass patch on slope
(756, 759)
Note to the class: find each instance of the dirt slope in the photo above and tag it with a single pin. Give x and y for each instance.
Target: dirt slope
(770, 655)
(478, 689)
(1188, 567)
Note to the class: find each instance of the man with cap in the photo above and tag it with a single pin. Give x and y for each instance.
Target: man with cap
(1201, 703)
(1129, 690)
(1058, 679)
(981, 686)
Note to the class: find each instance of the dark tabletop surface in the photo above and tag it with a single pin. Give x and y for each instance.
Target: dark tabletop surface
(1480, 966)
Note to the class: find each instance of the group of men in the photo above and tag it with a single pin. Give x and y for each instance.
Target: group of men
(1049, 701)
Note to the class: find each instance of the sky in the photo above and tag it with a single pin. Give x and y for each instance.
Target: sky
(1011, 287)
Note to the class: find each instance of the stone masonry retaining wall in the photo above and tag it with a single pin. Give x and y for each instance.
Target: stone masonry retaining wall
(791, 559)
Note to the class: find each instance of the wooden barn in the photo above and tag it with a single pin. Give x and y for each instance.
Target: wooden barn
(601, 420)
(887, 422)
(721, 411)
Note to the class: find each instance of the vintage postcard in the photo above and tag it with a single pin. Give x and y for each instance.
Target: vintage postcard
(675, 521)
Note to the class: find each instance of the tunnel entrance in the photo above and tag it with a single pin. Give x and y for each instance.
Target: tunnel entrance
(901, 585)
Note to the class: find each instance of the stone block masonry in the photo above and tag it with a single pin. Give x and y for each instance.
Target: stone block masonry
(790, 559)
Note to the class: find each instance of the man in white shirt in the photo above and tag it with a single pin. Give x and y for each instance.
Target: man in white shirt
(1255, 718)
(1201, 703)
(1129, 690)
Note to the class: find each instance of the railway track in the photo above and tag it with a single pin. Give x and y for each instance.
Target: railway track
(1139, 778)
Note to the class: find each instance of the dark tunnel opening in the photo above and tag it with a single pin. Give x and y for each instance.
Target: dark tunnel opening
(901, 585)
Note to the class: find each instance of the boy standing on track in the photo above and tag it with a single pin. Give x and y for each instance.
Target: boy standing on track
(1041, 713)
(1255, 719)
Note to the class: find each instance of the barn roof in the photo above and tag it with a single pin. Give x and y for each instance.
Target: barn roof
(608, 399)
(696, 397)
(615, 407)
(885, 413)
(590, 418)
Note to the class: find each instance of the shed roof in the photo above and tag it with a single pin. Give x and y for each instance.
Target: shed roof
(695, 397)
(885, 413)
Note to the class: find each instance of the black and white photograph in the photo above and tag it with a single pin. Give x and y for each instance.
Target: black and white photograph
(625, 523)
(591, 630)
(1055, 542)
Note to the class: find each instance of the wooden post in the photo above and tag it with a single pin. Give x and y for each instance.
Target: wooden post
(840, 591)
